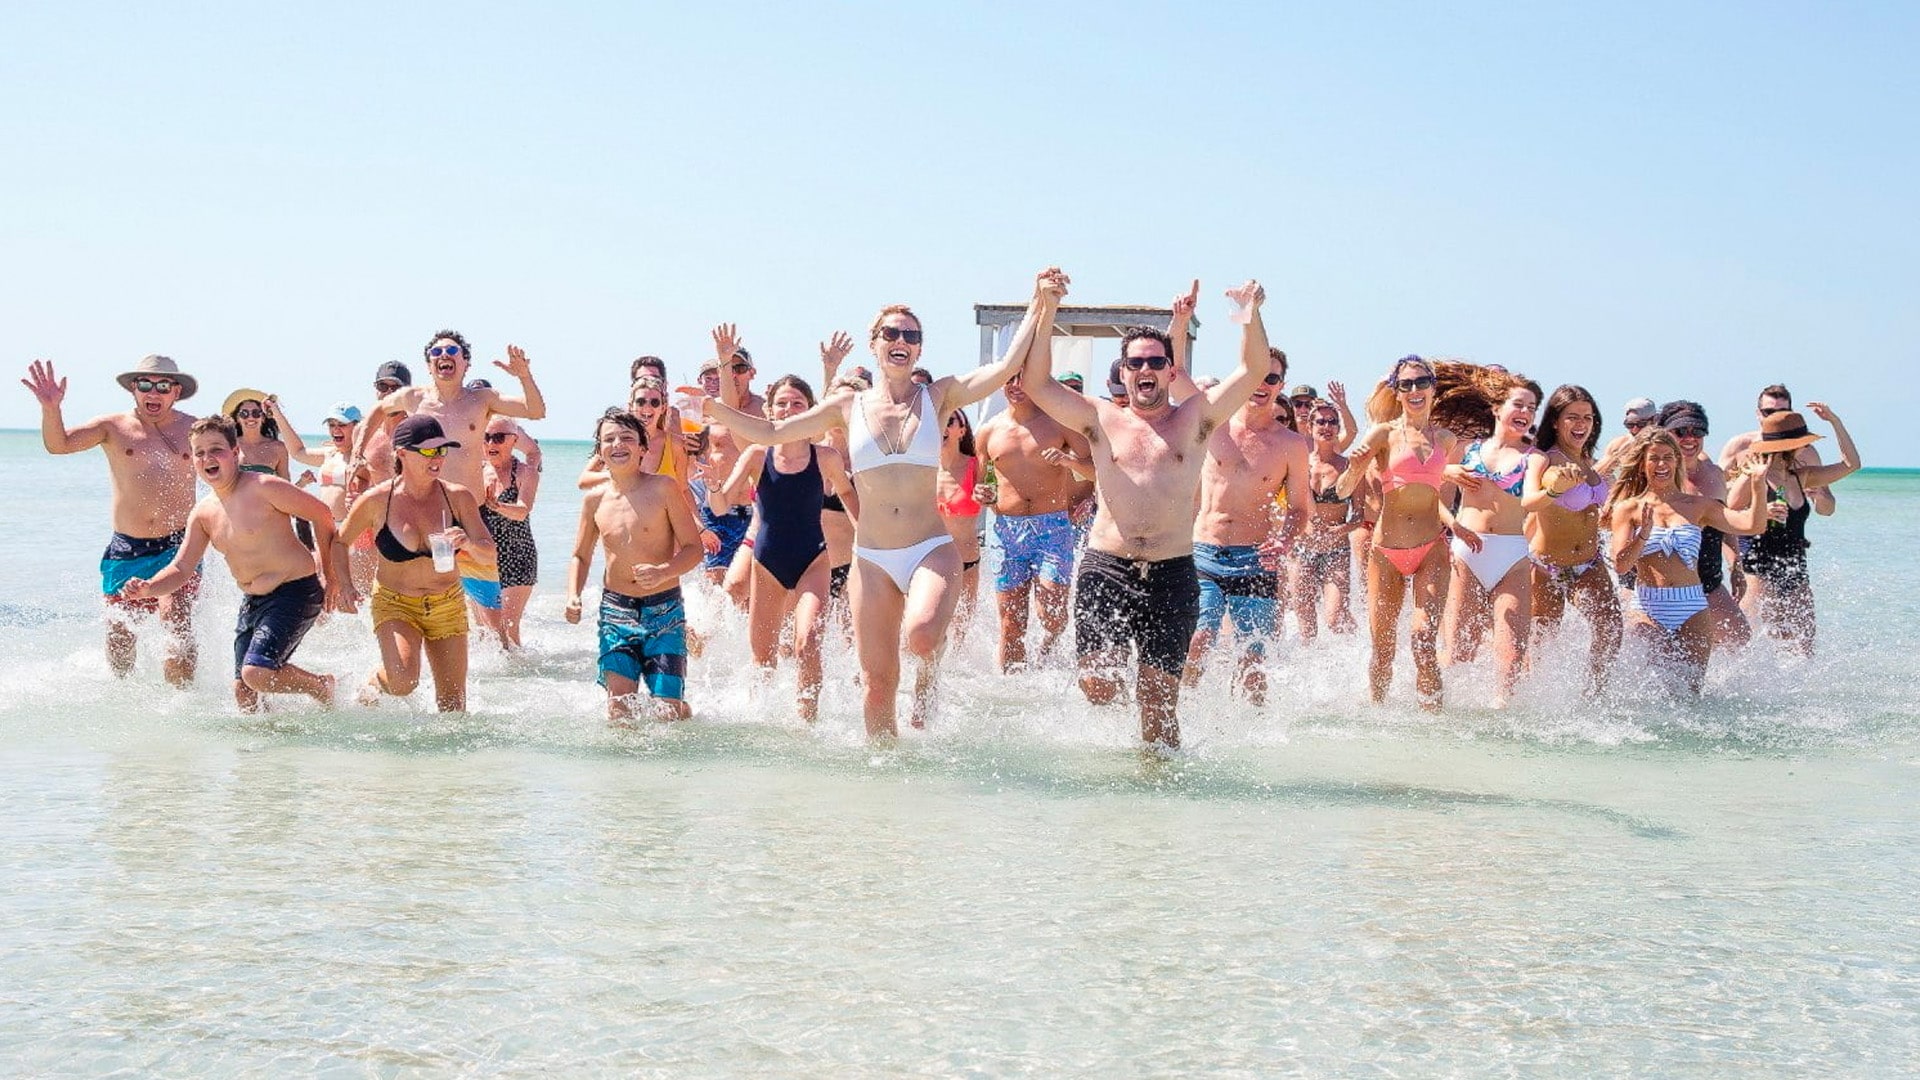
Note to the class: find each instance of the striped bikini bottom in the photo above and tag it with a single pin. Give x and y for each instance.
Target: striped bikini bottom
(1670, 607)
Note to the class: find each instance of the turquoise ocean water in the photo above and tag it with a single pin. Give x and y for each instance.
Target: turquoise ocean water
(1634, 886)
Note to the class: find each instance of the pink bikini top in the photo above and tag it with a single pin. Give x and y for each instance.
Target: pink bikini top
(963, 504)
(1407, 468)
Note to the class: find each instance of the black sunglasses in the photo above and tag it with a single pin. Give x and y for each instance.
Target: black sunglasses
(1272, 379)
(894, 333)
(1418, 382)
(1156, 363)
(155, 386)
(498, 437)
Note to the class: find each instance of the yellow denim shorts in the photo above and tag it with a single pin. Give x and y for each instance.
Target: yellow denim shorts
(442, 615)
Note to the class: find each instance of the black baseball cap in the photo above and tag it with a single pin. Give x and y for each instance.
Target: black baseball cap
(393, 370)
(420, 432)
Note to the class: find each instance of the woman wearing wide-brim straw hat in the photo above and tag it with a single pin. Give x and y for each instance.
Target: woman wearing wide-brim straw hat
(1779, 592)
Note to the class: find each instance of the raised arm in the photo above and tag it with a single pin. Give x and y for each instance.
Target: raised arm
(1076, 411)
(959, 391)
(50, 390)
(807, 426)
(1819, 476)
(1219, 402)
(1181, 386)
(296, 446)
(529, 405)
(1349, 427)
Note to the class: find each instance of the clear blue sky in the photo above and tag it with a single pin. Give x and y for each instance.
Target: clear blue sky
(1675, 200)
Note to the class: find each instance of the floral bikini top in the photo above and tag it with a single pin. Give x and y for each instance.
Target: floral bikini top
(1510, 481)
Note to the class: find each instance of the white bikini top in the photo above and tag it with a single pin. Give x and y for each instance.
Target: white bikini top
(924, 449)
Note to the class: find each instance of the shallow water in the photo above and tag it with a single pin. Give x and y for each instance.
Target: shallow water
(1311, 887)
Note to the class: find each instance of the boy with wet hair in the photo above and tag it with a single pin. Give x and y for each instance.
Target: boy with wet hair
(646, 529)
(249, 519)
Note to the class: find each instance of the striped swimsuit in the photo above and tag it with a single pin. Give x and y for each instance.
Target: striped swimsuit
(1672, 606)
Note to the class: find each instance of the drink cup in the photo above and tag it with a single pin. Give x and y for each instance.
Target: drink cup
(442, 546)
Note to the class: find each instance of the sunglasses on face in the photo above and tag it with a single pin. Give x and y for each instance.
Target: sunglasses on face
(155, 386)
(894, 333)
(646, 403)
(1325, 421)
(1418, 382)
(740, 367)
(1689, 432)
(1156, 363)
(1635, 425)
(1770, 412)
(429, 451)
(439, 351)
(386, 387)
(498, 437)
(1272, 380)
(250, 414)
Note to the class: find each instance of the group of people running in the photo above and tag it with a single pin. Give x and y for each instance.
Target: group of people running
(1149, 519)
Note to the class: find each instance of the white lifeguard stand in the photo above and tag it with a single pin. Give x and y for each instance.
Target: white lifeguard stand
(1075, 329)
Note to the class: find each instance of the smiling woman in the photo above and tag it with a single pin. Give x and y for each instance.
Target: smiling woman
(426, 525)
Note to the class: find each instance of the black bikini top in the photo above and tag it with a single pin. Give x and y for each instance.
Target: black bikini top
(389, 545)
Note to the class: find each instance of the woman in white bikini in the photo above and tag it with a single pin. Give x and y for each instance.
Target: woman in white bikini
(906, 571)
(1492, 585)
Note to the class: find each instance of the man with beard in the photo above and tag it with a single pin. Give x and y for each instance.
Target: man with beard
(1137, 584)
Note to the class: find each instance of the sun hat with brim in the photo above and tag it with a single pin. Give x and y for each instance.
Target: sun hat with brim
(245, 393)
(420, 432)
(157, 367)
(344, 412)
(1783, 431)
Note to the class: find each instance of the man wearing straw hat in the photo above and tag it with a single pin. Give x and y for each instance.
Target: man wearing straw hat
(151, 466)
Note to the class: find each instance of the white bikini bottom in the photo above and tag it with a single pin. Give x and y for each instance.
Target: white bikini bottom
(1498, 552)
(900, 563)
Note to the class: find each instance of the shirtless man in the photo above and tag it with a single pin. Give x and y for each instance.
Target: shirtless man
(1777, 399)
(463, 412)
(1137, 584)
(1639, 413)
(727, 521)
(1238, 546)
(647, 531)
(378, 446)
(151, 468)
(249, 519)
(1032, 454)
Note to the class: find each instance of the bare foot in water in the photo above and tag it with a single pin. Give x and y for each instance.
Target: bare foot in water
(330, 688)
(369, 694)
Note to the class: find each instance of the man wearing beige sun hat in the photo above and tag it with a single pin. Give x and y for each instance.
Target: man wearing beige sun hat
(152, 473)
